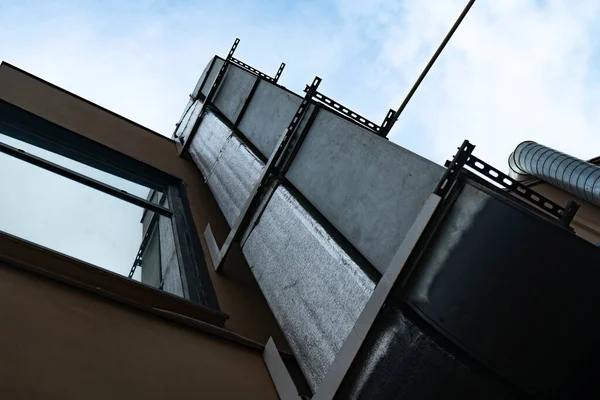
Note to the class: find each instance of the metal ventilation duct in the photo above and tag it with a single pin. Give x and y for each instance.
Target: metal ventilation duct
(576, 176)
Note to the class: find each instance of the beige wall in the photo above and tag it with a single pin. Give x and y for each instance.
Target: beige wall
(237, 291)
(60, 342)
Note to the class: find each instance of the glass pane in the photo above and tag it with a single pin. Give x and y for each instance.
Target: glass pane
(73, 219)
(105, 177)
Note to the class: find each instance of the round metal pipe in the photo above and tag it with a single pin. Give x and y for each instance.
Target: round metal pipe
(578, 177)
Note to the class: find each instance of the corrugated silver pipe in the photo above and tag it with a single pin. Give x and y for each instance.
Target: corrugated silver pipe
(571, 174)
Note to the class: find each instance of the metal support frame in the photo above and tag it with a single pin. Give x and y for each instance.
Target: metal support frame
(465, 158)
(279, 72)
(183, 144)
(257, 72)
(270, 169)
(345, 111)
(453, 168)
(77, 177)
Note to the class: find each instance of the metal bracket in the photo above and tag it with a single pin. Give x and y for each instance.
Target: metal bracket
(184, 142)
(257, 72)
(517, 188)
(279, 72)
(218, 255)
(334, 105)
(453, 168)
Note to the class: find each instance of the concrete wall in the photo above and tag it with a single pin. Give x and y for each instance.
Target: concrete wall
(267, 115)
(60, 342)
(238, 294)
(369, 188)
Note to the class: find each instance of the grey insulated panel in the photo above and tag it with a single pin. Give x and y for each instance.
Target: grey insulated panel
(208, 142)
(232, 178)
(315, 290)
(369, 188)
(234, 90)
(268, 115)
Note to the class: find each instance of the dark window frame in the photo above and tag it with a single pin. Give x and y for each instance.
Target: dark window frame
(27, 127)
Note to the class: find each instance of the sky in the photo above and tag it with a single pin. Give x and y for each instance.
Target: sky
(515, 70)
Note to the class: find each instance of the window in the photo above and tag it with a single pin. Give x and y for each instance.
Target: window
(77, 197)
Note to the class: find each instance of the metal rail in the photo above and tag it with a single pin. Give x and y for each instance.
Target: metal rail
(345, 111)
(77, 177)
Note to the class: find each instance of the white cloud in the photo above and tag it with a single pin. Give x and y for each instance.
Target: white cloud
(515, 69)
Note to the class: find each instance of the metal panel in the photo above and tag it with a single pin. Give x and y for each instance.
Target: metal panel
(233, 92)
(315, 290)
(234, 175)
(208, 143)
(214, 71)
(268, 114)
(370, 189)
(515, 291)
(400, 361)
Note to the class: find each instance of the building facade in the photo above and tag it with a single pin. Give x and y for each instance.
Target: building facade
(287, 248)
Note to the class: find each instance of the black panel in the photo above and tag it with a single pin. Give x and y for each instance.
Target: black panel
(516, 292)
(399, 361)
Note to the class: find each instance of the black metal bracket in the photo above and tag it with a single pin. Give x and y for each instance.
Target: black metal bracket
(465, 158)
(453, 168)
(257, 72)
(335, 106)
(516, 187)
(217, 254)
(183, 142)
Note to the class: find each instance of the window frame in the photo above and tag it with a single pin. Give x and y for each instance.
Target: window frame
(27, 127)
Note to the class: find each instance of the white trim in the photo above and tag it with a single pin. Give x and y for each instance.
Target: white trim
(357, 335)
(286, 389)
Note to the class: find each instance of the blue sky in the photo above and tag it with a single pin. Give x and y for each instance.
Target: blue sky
(515, 70)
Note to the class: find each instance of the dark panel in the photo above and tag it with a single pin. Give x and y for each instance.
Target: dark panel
(399, 361)
(515, 291)
(39, 132)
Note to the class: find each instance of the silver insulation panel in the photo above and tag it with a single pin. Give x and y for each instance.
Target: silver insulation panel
(314, 289)
(208, 142)
(228, 166)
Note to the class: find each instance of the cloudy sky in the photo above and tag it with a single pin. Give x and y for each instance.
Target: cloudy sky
(515, 70)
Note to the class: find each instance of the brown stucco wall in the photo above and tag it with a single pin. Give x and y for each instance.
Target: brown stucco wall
(237, 291)
(60, 342)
